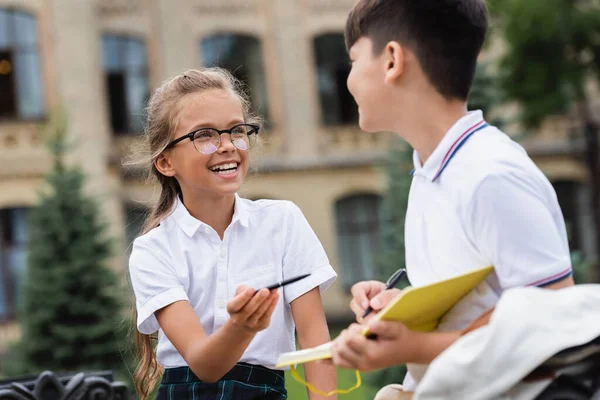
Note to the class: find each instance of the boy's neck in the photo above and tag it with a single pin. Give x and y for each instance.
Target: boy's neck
(426, 125)
(214, 210)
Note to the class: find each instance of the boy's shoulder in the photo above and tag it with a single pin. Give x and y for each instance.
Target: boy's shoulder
(493, 154)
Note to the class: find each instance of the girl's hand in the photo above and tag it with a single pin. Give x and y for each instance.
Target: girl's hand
(251, 310)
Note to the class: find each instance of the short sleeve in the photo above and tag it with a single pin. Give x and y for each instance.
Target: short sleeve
(304, 254)
(154, 283)
(518, 227)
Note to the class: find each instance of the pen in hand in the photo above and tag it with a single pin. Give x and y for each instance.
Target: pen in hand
(391, 282)
(286, 282)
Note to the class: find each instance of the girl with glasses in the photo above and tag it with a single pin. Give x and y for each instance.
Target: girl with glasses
(205, 253)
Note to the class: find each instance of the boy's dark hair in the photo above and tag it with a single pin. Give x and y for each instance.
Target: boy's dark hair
(445, 35)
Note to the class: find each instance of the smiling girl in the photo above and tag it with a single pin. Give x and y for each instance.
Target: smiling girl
(205, 251)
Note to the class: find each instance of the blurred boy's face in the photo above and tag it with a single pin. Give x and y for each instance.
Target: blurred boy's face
(366, 83)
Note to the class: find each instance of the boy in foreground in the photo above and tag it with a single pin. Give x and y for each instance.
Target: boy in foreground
(476, 199)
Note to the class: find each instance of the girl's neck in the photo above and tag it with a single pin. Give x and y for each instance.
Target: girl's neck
(214, 210)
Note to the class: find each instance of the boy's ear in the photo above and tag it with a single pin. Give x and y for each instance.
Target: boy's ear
(163, 165)
(393, 57)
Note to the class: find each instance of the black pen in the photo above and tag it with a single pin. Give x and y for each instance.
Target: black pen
(391, 282)
(285, 282)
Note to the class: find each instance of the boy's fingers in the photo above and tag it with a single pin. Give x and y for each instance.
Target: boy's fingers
(359, 294)
(357, 310)
(355, 329)
(383, 298)
(345, 357)
(356, 343)
(386, 329)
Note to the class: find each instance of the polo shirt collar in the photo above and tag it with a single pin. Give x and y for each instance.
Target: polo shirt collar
(190, 225)
(452, 141)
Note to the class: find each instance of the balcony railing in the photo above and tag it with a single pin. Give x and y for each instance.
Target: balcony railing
(22, 150)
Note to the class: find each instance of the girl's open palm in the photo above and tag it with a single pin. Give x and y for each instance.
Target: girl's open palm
(251, 310)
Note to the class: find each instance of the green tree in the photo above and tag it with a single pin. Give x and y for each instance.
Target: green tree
(485, 92)
(552, 51)
(393, 212)
(393, 207)
(70, 307)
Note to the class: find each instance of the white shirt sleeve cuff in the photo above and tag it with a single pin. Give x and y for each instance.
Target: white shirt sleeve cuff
(540, 276)
(146, 322)
(322, 277)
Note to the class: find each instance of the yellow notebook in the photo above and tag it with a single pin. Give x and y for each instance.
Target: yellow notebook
(420, 309)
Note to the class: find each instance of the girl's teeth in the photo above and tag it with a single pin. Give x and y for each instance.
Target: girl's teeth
(224, 166)
(225, 172)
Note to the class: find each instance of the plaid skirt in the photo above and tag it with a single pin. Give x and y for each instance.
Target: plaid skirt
(242, 382)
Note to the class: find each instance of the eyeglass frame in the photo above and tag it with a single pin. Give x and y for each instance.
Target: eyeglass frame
(219, 131)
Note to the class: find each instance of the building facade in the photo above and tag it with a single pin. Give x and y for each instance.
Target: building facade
(99, 59)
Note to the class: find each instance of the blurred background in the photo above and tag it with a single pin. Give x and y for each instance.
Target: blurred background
(74, 79)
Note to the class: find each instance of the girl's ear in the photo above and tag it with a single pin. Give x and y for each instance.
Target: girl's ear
(163, 165)
(393, 57)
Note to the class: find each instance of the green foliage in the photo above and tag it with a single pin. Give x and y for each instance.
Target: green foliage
(393, 208)
(13, 363)
(551, 47)
(486, 93)
(581, 268)
(70, 308)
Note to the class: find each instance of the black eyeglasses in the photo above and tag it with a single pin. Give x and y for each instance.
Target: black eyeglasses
(208, 140)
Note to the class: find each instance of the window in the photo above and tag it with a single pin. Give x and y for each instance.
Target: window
(333, 66)
(357, 221)
(13, 258)
(126, 69)
(242, 56)
(20, 75)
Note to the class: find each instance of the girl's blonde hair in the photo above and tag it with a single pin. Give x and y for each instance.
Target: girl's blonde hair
(162, 111)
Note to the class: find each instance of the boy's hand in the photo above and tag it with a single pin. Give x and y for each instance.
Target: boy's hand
(370, 293)
(250, 310)
(362, 293)
(383, 298)
(395, 345)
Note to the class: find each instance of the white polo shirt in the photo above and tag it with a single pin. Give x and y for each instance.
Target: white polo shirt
(184, 259)
(479, 200)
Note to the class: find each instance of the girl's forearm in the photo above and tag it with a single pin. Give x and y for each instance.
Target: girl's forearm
(213, 356)
(323, 376)
(312, 329)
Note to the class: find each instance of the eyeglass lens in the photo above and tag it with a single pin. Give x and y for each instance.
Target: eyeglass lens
(207, 140)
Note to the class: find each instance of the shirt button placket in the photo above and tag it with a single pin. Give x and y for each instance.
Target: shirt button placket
(222, 290)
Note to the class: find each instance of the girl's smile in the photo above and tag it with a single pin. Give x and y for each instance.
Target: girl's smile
(226, 169)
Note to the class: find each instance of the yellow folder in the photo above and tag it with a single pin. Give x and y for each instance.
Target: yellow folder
(419, 308)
